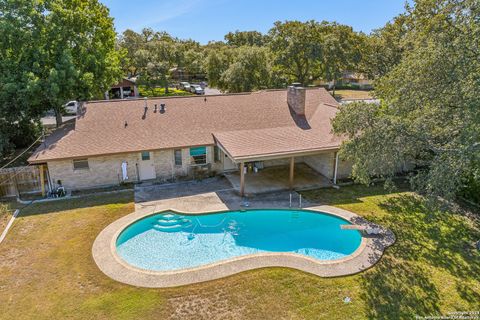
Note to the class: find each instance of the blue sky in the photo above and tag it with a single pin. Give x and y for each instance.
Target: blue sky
(205, 20)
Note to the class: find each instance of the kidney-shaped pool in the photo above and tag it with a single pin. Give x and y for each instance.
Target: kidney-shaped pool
(170, 241)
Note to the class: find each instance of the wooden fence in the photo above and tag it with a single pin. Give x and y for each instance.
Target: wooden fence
(19, 180)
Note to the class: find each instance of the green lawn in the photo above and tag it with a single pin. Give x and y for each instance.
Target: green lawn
(47, 271)
(353, 94)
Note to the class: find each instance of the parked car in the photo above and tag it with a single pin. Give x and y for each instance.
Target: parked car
(71, 107)
(184, 86)
(195, 88)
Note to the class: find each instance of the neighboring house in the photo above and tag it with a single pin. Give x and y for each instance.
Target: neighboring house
(355, 79)
(127, 88)
(164, 138)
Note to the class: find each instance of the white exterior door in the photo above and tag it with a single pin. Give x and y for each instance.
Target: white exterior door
(146, 166)
(228, 164)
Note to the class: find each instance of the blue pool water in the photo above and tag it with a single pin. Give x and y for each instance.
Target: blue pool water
(169, 241)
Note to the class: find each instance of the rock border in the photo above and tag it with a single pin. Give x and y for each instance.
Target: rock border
(367, 254)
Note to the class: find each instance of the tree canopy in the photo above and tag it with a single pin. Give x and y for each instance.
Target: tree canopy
(246, 38)
(429, 112)
(52, 51)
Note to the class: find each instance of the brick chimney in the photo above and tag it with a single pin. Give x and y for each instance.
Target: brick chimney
(296, 99)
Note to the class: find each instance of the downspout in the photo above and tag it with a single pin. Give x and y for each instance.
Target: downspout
(138, 173)
(335, 169)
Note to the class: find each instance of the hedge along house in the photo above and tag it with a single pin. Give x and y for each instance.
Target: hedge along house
(112, 142)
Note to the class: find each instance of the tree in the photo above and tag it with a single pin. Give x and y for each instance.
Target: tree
(297, 50)
(384, 48)
(429, 116)
(160, 56)
(80, 58)
(341, 48)
(67, 50)
(245, 38)
(192, 56)
(249, 71)
(132, 42)
(218, 60)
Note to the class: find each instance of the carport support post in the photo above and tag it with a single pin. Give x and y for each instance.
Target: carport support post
(242, 178)
(292, 170)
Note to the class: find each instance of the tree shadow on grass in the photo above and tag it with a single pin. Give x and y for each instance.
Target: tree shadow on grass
(443, 239)
(350, 194)
(398, 290)
(400, 286)
(119, 198)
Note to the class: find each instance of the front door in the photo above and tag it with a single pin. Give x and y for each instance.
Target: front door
(146, 167)
(228, 164)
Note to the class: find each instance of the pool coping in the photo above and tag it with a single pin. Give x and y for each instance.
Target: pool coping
(105, 256)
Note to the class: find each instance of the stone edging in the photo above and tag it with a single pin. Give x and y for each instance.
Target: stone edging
(106, 258)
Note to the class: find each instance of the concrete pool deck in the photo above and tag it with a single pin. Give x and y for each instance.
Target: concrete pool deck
(106, 258)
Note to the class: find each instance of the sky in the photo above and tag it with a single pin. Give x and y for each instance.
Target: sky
(205, 20)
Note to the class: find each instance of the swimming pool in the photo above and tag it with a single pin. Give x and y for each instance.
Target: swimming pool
(170, 241)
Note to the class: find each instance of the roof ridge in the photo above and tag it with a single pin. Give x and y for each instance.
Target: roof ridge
(171, 97)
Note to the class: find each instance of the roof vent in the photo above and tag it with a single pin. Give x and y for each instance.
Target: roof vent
(162, 108)
(155, 110)
(126, 124)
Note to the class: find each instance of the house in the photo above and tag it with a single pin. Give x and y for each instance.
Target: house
(354, 79)
(127, 88)
(164, 138)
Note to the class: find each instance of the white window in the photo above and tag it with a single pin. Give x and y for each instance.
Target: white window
(145, 155)
(178, 157)
(198, 155)
(80, 164)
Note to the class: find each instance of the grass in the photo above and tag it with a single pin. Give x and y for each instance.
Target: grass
(160, 92)
(353, 94)
(48, 271)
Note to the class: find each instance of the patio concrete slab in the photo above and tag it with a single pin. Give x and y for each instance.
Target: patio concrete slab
(276, 178)
(146, 194)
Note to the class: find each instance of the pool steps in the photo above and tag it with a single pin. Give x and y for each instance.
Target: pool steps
(172, 223)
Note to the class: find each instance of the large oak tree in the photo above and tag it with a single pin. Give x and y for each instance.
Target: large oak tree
(429, 114)
(53, 51)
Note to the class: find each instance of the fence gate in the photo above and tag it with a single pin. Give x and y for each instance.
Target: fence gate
(19, 180)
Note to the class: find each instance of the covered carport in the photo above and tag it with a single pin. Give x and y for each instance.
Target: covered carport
(287, 151)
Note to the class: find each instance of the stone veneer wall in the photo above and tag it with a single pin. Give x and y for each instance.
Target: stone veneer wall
(281, 162)
(107, 170)
(102, 171)
(324, 163)
(344, 169)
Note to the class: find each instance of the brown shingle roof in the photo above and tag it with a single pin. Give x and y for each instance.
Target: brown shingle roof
(243, 123)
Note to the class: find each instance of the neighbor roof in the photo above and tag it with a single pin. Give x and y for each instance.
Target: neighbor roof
(243, 124)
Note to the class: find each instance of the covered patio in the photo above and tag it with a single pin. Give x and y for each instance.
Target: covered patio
(288, 158)
(277, 178)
